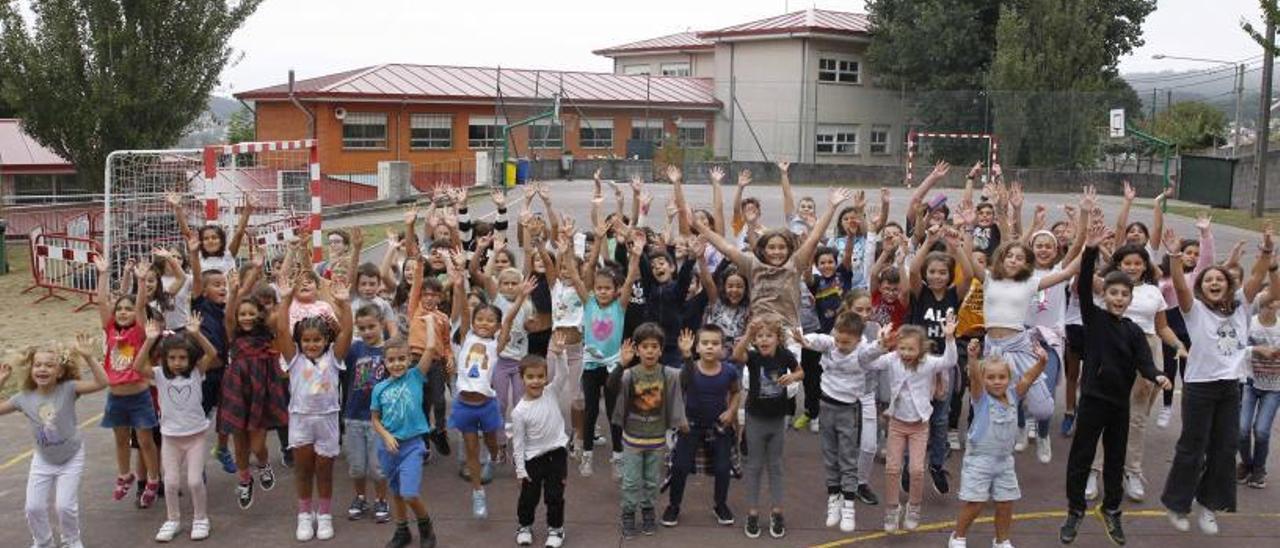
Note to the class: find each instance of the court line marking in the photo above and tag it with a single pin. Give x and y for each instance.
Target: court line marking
(22, 457)
(1028, 516)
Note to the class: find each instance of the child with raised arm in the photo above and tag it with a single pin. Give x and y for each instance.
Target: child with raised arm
(988, 473)
(397, 416)
(184, 359)
(366, 367)
(1118, 350)
(313, 350)
(48, 400)
(538, 441)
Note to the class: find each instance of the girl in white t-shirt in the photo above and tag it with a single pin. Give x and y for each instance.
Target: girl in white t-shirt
(1261, 396)
(184, 358)
(215, 252)
(1047, 315)
(1217, 316)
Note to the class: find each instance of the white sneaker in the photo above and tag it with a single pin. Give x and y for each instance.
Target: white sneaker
(199, 529)
(954, 542)
(813, 426)
(1020, 443)
(1044, 450)
(1006, 543)
(1133, 487)
(616, 461)
(306, 526)
(953, 439)
(168, 530)
(1091, 486)
(1179, 521)
(1208, 522)
(524, 536)
(846, 516)
(555, 537)
(1162, 419)
(911, 521)
(833, 509)
(891, 517)
(324, 527)
(584, 467)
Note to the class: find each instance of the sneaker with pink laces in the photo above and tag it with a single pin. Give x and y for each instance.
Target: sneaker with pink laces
(149, 494)
(123, 483)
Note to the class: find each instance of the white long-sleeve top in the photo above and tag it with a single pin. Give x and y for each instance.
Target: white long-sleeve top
(911, 392)
(843, 378)
(537, 425)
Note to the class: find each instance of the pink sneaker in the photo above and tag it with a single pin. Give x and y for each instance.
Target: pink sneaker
(123, 483)
(149, 494)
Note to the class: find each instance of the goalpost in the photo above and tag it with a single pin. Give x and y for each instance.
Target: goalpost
(281, 178)
(916, 138)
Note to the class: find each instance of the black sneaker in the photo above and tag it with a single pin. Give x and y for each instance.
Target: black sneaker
(1111, 523)
(1071, 527)
(440, 439)
(865, 495)
(752, 528)
(648, 521)
(358, 508)
(266, 477)
(426, 533)
(244, 495)
(940, 484)
(1242, 472)
(777, 526)
(381, 512)
(401, 538)
(1257, 479)
(724, 516)
(671, 516)
(287, 458)
(628, 525)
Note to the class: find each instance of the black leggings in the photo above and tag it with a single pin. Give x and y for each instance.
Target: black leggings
(594, 383)
(1175, 368)
(811, 363)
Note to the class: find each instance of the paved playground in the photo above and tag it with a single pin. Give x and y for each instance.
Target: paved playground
(593, 502)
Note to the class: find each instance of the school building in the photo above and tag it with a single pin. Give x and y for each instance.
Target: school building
(792, 87)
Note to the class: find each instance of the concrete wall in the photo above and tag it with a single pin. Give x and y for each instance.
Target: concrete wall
(1243, 182)
(702, 64)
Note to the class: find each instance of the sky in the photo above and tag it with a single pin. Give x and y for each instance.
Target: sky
(318, 37)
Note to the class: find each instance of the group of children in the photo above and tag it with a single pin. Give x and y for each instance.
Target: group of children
(706, 339)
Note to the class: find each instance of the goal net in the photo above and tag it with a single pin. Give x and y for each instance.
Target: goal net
(213, 184)
(961, 149)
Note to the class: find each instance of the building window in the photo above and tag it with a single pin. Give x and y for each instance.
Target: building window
(843, 71)
(647, 129)
(635, 70)
(676, 69)
(544, 134)
(364, 130)
(596, 133)
(837, 140)
(485, 131)
(879, 139)
(691, 133)
(431, 131)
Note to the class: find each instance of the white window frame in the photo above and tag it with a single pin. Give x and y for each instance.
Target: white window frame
(367, 120)
(636, 70)
(883, 130)
(839, 69)
(434, 123)
(836, 140)
(648, 125)
(682, 129)
(545, 140)
(489, 141)
(594, 125)
(678, 68)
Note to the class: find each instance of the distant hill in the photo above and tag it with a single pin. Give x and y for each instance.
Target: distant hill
(1212, 85)
(211, 127)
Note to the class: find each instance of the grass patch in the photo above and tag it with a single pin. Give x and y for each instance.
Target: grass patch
(1239, 218)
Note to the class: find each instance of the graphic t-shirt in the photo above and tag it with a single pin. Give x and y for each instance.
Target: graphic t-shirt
(766, 396)
(1265, 372)
(181, 412)
(53, 421)
(1217, 350)
(122, 346)
(366, 366)
(476, 357)
(566, 306)
(644, 422)
(313, 386)
(398, 401)
(602, 335)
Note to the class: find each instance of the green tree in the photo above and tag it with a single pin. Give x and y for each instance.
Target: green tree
(92, 76)
(240, 127)
(1192, 125)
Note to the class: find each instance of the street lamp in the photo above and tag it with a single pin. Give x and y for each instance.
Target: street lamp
(1239, 85)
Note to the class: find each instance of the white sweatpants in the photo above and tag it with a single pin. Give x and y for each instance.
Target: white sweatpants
(64, 480)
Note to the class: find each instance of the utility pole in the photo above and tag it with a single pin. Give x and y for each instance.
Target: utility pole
(1264, 123)
(1235, 136)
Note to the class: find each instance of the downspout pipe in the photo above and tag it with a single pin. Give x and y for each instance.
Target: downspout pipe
(311, 117)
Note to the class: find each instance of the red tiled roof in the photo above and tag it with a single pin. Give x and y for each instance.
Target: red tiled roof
(681, 41)
(399, 81)
(811, 20)
(21, 152)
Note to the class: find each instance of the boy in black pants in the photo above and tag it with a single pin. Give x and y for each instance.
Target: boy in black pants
(1117, 351)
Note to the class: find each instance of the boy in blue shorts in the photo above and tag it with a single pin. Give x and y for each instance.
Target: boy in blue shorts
(400, 422)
